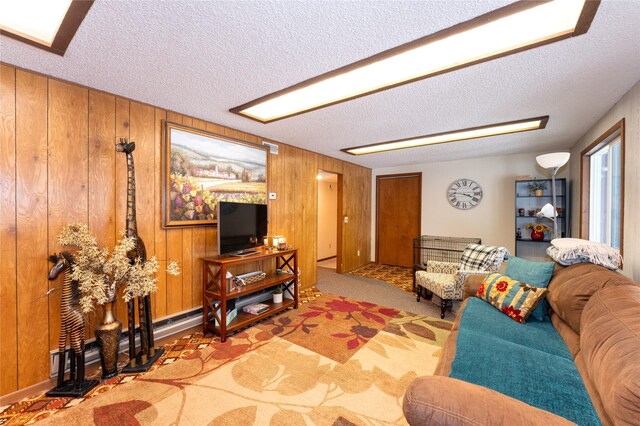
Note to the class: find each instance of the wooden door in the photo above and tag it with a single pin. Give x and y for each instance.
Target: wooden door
(398, 213)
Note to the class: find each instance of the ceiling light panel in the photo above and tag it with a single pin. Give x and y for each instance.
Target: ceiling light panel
(37, 20)
(452, 136)
(46, 24)
(516, 27)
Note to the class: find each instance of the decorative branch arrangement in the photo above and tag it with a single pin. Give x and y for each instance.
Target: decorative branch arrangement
(101, 274)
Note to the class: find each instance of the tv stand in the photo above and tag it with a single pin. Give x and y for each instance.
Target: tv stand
(215, 292)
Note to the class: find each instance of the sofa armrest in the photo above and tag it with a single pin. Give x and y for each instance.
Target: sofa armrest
(437, 400)
(471, 285)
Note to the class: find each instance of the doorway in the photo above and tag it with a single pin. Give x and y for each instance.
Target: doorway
(398, 216)
(329, 249)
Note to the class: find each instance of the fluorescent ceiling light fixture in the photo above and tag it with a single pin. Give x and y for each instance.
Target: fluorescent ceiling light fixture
(48, 24)
(519, 26)
(452, 136)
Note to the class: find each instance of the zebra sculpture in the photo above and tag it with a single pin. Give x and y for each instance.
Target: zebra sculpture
(71, 326)
(143, 360)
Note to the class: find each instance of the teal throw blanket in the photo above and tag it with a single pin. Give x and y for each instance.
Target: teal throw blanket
(529, 362)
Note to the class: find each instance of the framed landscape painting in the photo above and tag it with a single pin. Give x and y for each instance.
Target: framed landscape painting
(202, 168)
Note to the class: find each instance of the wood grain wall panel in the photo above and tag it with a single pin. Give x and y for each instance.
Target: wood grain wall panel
(84, 179)
(159, 299)
(310, 219)
(174, 252)
(122, 131)
(8, 236)
(32, 266)
(102, 177)
(68, 174)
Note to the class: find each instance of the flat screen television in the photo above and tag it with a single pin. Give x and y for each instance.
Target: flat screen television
(241, 227)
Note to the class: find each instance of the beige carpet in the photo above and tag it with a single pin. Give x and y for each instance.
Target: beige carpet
(332, 361)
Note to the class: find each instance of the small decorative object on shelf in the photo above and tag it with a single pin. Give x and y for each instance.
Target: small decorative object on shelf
(282, 243)
(537, 231)
(277, 295)
(518, 233)
(520, 212)
(275, 241)
(250, 278)
(537, 188)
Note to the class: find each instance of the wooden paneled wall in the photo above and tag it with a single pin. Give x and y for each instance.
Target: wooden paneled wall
(58, 165)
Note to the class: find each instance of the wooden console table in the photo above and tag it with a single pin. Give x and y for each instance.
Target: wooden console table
(215, 293)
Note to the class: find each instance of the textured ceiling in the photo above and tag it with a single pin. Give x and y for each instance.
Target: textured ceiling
(202, 58)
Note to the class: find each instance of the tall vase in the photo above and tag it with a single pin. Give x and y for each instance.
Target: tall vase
(108, 338)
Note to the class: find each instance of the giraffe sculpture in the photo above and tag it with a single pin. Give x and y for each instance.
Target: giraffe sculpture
(147, 349)
(71, 326)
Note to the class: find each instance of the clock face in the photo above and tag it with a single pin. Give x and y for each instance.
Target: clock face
(464, 194)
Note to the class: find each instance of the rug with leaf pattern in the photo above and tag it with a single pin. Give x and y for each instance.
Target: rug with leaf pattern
(333, 361)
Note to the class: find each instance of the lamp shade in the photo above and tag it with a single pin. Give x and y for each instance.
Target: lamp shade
(548, 211)
(552, 160)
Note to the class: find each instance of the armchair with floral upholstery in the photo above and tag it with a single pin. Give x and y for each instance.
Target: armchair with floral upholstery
(446, 279)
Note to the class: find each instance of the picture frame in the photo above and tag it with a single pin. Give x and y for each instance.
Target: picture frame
(201, 168)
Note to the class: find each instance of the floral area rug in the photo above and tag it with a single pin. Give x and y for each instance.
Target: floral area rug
(332, 361)
(32, 409)
(398, 276)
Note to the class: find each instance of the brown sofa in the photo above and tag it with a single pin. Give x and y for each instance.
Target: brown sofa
(597, 314)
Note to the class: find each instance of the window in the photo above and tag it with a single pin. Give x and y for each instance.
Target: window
(602, 197)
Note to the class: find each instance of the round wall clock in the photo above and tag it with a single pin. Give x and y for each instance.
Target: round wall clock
(464, 194)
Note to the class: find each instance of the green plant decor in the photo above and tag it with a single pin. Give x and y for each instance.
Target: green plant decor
(535, 186)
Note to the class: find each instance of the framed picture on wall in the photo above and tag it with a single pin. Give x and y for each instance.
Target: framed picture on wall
(201, 168)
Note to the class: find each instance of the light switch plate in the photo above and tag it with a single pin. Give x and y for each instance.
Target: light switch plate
(272, 195)
(346, 219)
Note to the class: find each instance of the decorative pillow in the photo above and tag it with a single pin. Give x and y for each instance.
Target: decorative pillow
(537, 274)
(513, 298)
(480, 257)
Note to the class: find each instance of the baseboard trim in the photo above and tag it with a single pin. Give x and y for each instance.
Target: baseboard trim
(162, 328)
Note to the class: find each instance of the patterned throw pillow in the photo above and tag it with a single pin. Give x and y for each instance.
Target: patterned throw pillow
(513, 298)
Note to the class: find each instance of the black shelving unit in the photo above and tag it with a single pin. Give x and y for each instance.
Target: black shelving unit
(530, 203)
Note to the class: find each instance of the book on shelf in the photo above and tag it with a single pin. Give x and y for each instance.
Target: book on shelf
(231, 311)
(231, 315)
(256, 308)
